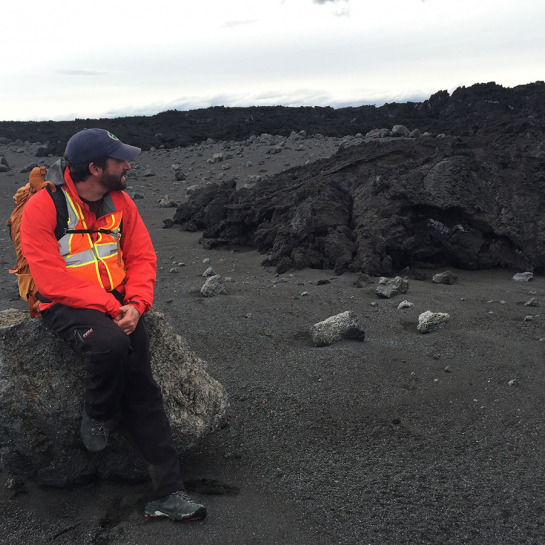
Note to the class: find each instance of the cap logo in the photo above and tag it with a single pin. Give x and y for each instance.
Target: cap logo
(112, 136)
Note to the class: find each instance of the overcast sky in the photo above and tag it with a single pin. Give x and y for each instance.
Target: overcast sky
(64, 59)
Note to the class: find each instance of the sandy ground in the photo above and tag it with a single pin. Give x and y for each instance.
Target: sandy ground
(402, 439)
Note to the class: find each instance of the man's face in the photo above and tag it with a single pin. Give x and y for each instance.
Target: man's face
(113, 177)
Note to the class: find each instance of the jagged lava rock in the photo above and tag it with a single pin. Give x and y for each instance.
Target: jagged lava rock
(388, 204)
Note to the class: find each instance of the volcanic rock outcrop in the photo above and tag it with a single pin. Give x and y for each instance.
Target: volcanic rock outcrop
(41, 398)
(388, 204)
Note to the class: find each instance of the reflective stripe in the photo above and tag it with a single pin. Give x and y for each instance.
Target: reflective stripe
(81, 258)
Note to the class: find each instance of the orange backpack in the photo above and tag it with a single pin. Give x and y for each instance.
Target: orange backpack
(37, 182)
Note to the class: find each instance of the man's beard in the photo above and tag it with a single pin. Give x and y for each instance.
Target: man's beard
(113, 182)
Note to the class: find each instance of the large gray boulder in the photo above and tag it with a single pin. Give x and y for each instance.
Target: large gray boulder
(41, 397)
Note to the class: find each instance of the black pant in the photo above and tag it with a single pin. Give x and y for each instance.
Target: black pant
(119, 379)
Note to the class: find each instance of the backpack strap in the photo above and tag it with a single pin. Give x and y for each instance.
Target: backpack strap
(62, 210)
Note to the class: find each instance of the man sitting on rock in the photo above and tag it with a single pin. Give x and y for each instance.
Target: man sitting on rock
(94, 285)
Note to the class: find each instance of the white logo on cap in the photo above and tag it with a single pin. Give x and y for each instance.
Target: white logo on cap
(112, 136)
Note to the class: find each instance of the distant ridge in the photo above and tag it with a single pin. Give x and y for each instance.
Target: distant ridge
(481, 108)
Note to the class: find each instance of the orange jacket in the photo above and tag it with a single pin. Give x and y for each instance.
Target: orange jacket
(60, 283)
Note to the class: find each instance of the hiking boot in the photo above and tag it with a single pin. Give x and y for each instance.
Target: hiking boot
(176, 506)
(94, 433)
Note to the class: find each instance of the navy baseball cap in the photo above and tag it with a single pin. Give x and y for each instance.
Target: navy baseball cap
(90, 144)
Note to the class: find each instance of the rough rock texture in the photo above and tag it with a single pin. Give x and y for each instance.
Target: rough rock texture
(214, 286)
(346, 325)
(388, 204)
(446, 277)
(388, 287)
(431, 321)
(41, 396)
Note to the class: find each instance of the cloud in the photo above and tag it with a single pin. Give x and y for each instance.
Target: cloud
(232, 24)
(69, 72)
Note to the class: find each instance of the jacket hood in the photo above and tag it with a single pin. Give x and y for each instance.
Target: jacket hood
(55, 173)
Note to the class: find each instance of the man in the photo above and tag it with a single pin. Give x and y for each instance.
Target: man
(94, 285)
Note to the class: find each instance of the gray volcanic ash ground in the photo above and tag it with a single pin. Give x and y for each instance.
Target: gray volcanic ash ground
(404, 438)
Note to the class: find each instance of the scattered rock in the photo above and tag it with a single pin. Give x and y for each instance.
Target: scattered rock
(388, 287)
(167, 202)
(400, 130)
(209, 272)
(446, 277)
(523, 277)
(346, 325)
(430, 321)
(216, 158)
(214, 286)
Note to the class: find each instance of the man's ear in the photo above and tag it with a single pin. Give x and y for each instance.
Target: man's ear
(94, 169)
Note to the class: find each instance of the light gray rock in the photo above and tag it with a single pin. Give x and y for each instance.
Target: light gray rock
(430, 321)
(41, 398)
(167, 202)
(275, 149)
(346, 325)
(523, 277)
(301, 135)
(388, 287)
(217, 158)
(214, 286)
(446, 277)
(209, 272)
(253, 179)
